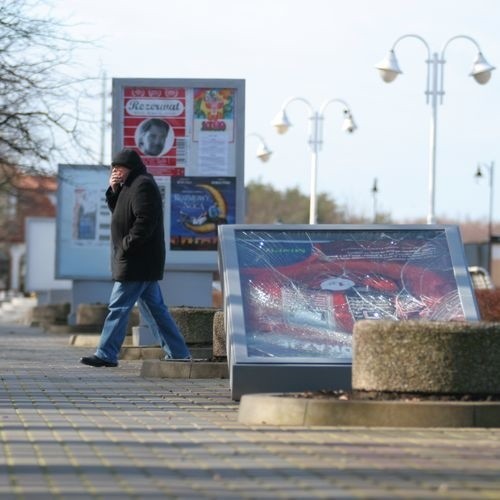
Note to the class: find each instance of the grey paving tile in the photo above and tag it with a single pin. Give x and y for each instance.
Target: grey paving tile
(70, 431)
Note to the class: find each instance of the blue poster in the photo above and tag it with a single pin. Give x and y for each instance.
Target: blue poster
(199, 205)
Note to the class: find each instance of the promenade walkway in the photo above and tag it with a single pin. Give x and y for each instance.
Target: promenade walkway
(71, 431)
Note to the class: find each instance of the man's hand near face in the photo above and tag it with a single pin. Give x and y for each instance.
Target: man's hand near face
(118, 176)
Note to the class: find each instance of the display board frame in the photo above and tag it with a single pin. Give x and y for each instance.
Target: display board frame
(200, 167)
(82, 223)
(300, 286)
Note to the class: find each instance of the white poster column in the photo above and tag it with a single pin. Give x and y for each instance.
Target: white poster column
(16, 253)
(40, 262)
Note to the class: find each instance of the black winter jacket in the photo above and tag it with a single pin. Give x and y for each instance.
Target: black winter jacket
(137, 235)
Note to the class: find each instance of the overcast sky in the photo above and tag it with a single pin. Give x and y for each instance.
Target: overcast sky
(319, 50)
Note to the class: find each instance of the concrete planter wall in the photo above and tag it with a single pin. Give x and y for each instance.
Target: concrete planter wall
(219, 335)
(195, 323)
(200, 326)
(50, 314)
(93, 315)
(426, 357)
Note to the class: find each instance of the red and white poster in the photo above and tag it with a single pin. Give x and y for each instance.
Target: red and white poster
(154, 124)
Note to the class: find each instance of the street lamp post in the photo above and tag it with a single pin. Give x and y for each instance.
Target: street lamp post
(374, 191)
(263, 153)
(479, 173)
(282, 124)
(389, 70)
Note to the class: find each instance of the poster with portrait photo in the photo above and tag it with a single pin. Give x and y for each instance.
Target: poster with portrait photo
(154, 137)
(199, 205)
(154, 124)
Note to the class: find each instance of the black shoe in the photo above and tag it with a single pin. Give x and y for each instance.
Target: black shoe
(97, 362)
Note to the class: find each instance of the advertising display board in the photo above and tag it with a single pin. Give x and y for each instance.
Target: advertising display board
(293, 293)
(190, 135)
(83, 223)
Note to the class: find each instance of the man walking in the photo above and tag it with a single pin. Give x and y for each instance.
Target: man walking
(138, 259)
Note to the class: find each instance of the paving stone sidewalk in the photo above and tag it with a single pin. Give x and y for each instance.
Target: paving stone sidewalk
(71, 431)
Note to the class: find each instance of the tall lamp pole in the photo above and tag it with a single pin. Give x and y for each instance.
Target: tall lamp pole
(374, 194)
(389, 70)
(282, 124)
(479, 174)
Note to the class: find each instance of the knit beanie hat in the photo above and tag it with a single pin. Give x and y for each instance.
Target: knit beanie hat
(127, 158)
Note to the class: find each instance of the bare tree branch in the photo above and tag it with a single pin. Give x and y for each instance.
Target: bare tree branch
(41, 111)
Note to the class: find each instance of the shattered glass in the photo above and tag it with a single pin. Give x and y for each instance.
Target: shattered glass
(303, 290)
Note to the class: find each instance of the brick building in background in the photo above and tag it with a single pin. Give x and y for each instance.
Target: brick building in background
(21, 196)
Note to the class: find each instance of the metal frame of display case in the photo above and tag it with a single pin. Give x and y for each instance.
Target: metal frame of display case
(245, 249)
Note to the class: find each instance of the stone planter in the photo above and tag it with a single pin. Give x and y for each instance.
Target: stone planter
(426, 357)
(92, 316)
(195, 323)
(219, 335)
(50, 314)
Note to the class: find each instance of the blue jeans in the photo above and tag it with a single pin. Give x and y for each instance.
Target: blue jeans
(152, 306)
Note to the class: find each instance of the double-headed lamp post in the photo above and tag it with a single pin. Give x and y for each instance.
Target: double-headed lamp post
(389, 70)
(282, 124)
(263, 153)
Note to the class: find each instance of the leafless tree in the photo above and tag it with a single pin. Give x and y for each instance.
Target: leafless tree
(41, 110)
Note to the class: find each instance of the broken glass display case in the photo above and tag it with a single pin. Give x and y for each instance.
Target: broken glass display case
(293, 293)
